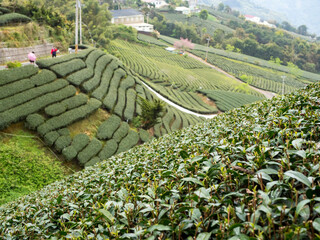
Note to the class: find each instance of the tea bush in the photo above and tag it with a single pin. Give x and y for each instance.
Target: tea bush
(69, 153)
(34, 120)
(92, 149)
(108, 127)
(109, 149)
(93, 57)
(12, 75)
(144, 135)
(62, 142)
(130, 104)
(81, 76)
(13, 18)
(128, 141)
(63, 69)
(121, 132)
(51, 137)
(80, 141)
(92, 161)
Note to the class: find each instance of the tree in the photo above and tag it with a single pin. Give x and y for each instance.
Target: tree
(204, 14)
(303, 30)
(183, 44)
(220, 7)
(151, 111)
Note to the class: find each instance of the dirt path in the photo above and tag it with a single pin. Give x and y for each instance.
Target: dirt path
(265, 93)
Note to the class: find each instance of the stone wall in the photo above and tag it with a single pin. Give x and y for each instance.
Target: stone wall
(21, 54)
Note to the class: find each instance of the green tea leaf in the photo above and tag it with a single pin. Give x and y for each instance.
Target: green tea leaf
(107, 215)
(204, 236)
(298, 176)
(194, 180)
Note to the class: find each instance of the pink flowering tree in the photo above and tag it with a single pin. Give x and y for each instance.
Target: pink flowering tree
(183, 44)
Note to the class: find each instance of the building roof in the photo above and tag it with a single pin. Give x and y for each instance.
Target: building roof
(182, 9)
(139, 24)
(125, 13)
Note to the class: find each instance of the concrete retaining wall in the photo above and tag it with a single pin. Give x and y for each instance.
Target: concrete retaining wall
(21, 54)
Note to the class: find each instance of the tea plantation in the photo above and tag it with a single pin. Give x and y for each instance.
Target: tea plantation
(250, 173)
(179, 78)
(67, 90)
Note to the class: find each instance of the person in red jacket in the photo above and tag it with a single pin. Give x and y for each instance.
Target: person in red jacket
(54, 52)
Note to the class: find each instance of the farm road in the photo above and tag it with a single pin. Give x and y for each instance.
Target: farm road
(265, 93)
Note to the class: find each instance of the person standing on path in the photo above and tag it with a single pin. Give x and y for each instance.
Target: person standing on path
(54, 52)
(32, 57)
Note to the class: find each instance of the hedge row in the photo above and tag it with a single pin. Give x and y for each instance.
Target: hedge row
(89, 151)
(93, 57)
(34, 120)
(110, 80)
(81, 76)
(80, 141)
(131, 100)
(69, 153)
(144, 135)
(141, 92)
(62, 142)
(66, 68)
(30, 94)
(109, 149)
(94, 82)
(92, 161)
(4, 10)
(67, 104)
(64, 132)
(13, 18)
(108, 127)
(20, 112)
(177, 121)
(121, 132)
(128, 142)
(51, 137)
(69, 117)
(41, 78)
(47, 63)
(128, 82)
(121, 102)
(14, 74)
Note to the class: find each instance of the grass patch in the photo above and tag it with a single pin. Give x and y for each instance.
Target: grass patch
(25, 167)
(89, 125)
(212, 18)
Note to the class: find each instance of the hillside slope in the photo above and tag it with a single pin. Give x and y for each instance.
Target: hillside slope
(250, 172)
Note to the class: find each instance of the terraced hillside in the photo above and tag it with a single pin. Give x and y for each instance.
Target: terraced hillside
(54, 99)
(251, 173)
(180, 78)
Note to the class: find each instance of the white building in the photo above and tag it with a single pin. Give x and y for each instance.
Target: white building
(131, 18)
(257, 20)
(183, 10)
(157, 3)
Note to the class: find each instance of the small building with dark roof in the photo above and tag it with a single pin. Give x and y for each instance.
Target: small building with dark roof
(131, 17)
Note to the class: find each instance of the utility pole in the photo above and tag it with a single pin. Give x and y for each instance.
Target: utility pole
(80, 22)
(208, 39)
(283, 78)
(76, 40)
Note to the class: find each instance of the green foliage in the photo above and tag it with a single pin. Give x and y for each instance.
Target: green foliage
(34, 120)
(69, 117)
(109, 149)
(13, 18)
(204, 14)
(80, 141)
(22, 111)
(93, 57)
(11, 75)
(64, 132)
(30, 94)
(144, 135)
(121, 132)
(62, 142)
(108, 127)
(63, 69)
(130, 104)
(14, 64)
(89, 151)
(92, 161)
(51, 137)
(151, 111)
(69, 153)
(128, 142)
(25, 168)
(81, 76)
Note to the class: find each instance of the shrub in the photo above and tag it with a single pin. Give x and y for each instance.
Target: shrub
(128, 82)
(151, 111)
(66, 68)
(55, 109)
(31, 94)
(110, 100)
(109, 149)
(81, 76)
(69, 117)
(121, 132)
(20, 112)
(95, 81)
(46, 63)
(93, 57)
(92, 161)
(130, 104)
(4, 10)
(144, 135)
(80, 141)
(108, 127)
(64, 132)
(14, 64)
(62, 142)
(128, 142)
(121, 102)
(69, 153)
(34, 120)
(89, 151)
(13, 18)
(51, 137)
(12, 75)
